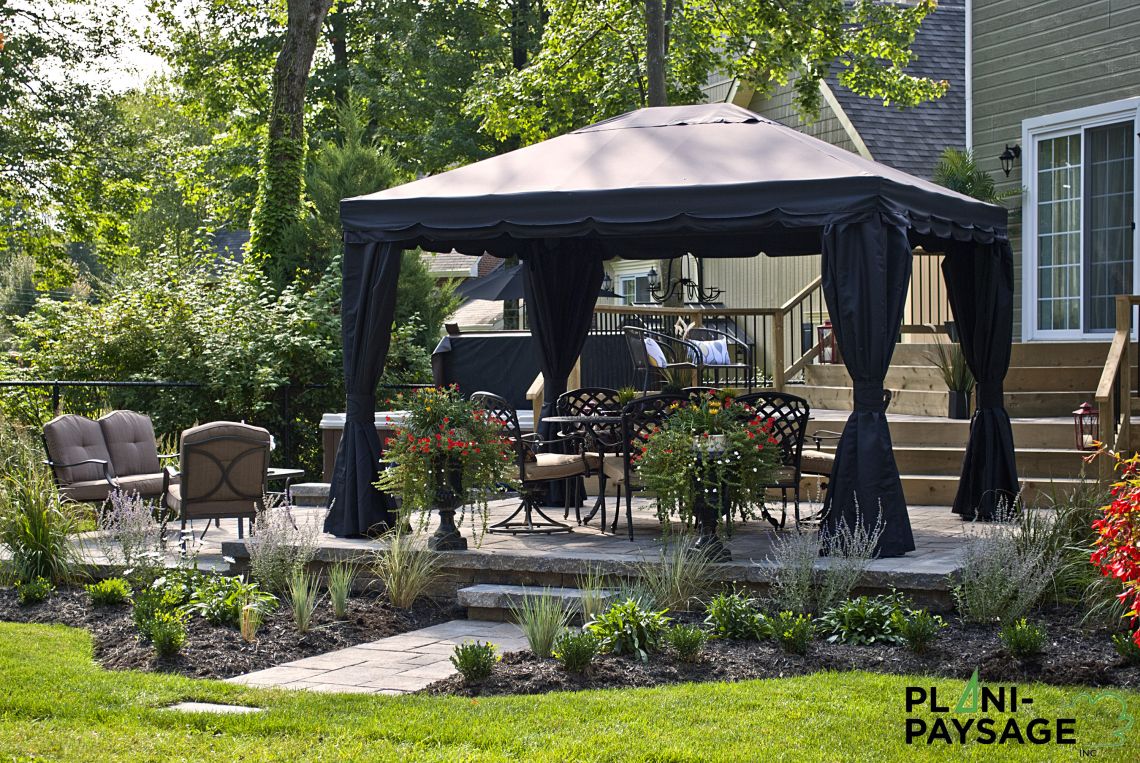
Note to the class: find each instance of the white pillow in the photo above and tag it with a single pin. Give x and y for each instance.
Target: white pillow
(714, 352)
(656, 355)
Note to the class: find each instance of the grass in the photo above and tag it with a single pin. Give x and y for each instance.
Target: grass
(59, 705)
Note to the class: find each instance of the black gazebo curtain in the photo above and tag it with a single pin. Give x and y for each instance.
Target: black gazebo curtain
(866, 274)
(368, 304)
(979, 285)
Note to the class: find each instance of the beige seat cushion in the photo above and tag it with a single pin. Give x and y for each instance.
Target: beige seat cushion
(613, 465)
(130, 441)
(146, 485)
(554, 466)
(816, 462)
(71, 439)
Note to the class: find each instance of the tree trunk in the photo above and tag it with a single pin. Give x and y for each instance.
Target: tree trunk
(337, 34)
(281, 186)
(655, 52)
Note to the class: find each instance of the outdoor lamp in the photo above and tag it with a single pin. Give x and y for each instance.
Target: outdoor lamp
(607, 283)
(1086, 424)
(654, 280)
(1008, 156)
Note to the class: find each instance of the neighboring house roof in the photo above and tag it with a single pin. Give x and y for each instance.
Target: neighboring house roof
(912, 139)
(479, 314)
(450, 264)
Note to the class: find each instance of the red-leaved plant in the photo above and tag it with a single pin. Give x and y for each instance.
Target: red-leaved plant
(1117, 548)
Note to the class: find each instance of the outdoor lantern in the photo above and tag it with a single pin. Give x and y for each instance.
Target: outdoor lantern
(654, 280)
(828, 349)
(1086, 423)
(1008, 156)
(607, 283)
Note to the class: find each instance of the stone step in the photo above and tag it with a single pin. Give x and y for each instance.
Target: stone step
(310, 493)
(494, 602)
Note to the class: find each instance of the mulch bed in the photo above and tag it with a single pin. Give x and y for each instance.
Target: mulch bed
(1075, 655)
(213, 651)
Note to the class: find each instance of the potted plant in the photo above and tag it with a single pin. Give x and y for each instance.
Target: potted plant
(447, 454)
(951, 363)
(711, 457)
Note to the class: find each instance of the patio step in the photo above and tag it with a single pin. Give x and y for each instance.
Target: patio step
(1052, 433)
(494, 602)
(936, 403)
(1082, 380)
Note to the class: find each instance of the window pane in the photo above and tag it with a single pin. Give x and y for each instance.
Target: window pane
(1108, 214)
(1058, 233)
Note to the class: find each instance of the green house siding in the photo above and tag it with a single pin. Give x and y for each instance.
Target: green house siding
(1032, 58)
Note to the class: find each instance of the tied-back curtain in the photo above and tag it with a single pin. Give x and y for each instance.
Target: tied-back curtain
(866, 273)
(560, 285)
(979, 286)
(368, 304)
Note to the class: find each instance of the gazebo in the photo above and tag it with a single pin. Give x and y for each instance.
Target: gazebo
(710, 180)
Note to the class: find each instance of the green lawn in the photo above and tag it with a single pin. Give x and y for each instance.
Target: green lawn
(55, 703)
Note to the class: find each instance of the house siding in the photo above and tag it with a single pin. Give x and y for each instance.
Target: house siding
(1033, 58)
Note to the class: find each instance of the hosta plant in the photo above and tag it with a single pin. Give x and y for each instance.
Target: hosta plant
(629, 628)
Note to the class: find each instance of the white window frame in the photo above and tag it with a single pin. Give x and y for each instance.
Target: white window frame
(1054, 126)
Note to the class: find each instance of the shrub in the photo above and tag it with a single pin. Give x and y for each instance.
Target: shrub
(179, 583)
(918, 629)
(168, 633)
(109, 592)
(1116, 550)
(277, 549)
(849, 550)
(541, 619)
(1023, 638)
(576, 650)
(865, 620)
(341, 577)
(131, 535)
(474, 660)
(221, 599)
(792, 631)
(682, 576)
(628, 628)
(594, 592)
(33, 591)
(1126, 648)
(792, 561)
(687, 641)
(304, 594)
(733, 615)
(407, 569)
(33, 525)
(150, 603)
(1002, 577)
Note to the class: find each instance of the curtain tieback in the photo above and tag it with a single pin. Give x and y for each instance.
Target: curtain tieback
(361, 409)
(869, 396)
(990, 395)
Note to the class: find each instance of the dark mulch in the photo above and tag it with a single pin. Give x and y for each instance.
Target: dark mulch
(1075, 655)
(219, 652)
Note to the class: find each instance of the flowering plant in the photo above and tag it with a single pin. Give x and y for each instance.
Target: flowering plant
(1116, 550)
(445, 443)
(712, 448)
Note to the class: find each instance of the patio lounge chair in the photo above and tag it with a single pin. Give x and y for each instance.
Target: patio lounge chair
(717, 349)
(660, 355)
(223, 468)
(789, 415)
(89, 458)
(534, 469)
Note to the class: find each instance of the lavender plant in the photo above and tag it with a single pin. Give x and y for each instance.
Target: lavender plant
(131, 535)
(278, 548)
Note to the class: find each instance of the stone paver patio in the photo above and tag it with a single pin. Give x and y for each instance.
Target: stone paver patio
(393, 665)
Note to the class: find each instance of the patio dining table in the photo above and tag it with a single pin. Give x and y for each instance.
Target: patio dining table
(592, 423)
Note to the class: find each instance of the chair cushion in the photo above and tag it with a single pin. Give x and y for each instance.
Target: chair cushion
(553, 466)
(239, 451)
(210, 509)
(71, 439)
(655, 353)
(816, 462)
(613, 465)
(146, 485)
(714, 352)
(131, 443)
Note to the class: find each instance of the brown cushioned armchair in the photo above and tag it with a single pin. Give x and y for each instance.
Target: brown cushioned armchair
(89, 458)
(223, 467)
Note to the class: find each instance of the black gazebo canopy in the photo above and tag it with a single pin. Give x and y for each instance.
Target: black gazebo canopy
(715, 181)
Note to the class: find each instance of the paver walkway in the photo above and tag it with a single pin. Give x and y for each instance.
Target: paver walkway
(393, 665)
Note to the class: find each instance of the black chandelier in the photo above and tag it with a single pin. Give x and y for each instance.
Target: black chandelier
(693, 291)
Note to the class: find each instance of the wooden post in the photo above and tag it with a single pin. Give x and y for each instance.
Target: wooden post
(575, 380)
(1124, 320)
(778, 350)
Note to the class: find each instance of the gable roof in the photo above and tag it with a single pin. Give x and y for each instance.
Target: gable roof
(912, 139)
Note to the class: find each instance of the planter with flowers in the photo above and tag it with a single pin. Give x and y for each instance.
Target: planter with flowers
(710, 457)
(447, 455)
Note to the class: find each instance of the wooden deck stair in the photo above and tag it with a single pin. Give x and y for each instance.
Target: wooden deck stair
(1046, 382)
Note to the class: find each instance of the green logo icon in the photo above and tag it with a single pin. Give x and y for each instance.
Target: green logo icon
(970, 701)
(1114, 702)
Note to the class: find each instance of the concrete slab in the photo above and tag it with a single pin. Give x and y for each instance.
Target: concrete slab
(210, 707)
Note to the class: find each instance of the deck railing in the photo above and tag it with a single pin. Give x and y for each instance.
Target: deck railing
(1114, 393)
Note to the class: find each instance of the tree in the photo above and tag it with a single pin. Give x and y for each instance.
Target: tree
(597, 58)
(280, 188)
